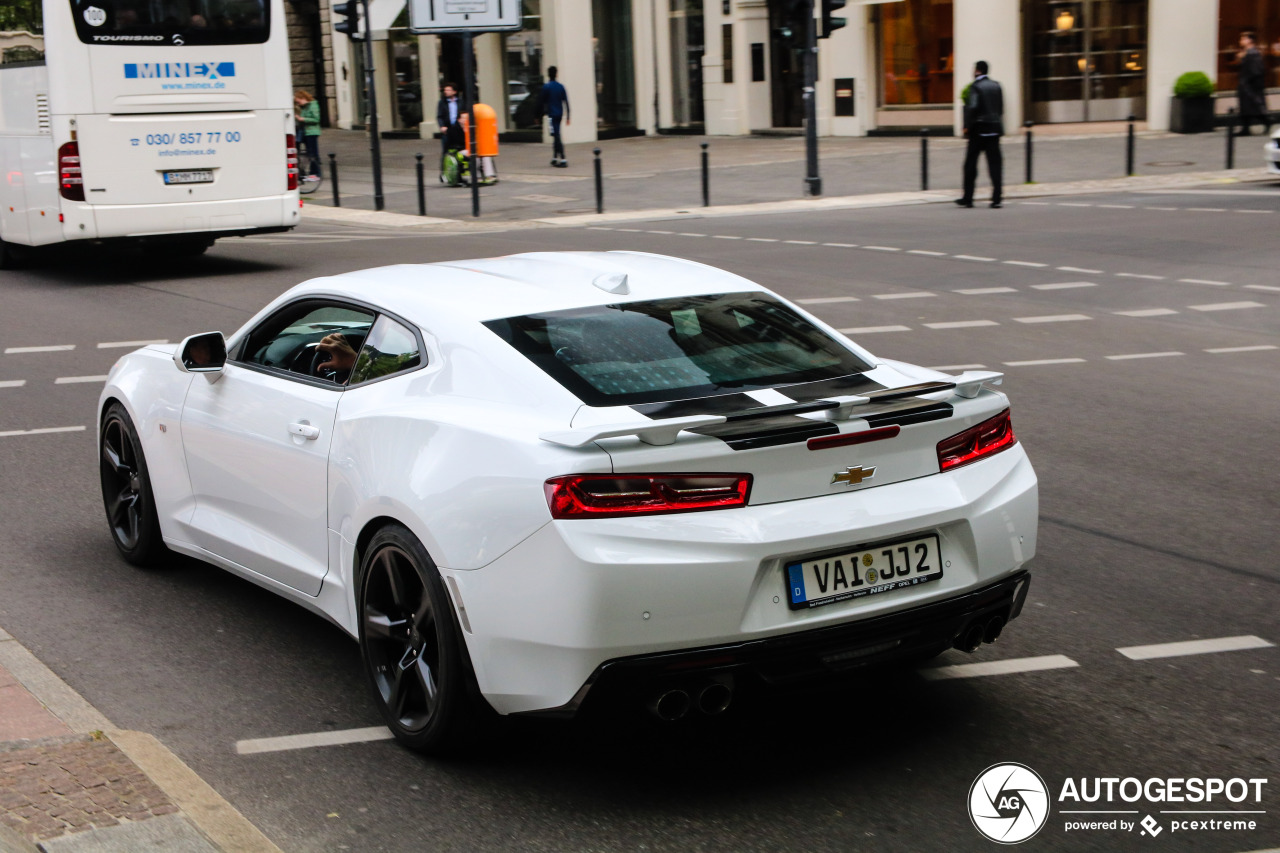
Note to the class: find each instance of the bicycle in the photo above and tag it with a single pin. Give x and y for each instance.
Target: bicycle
(310, 180)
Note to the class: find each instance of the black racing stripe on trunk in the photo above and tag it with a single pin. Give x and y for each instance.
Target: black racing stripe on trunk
(769, 432)
(723, 404)
(841, 386)
(909, 412)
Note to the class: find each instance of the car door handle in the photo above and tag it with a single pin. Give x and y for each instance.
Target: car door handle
(305, 430)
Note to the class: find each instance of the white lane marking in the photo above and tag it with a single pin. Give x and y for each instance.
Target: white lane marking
(12, 383)
(1073, 204)
(1052, 318)
(724, 237)
(883, 248)
(1160, 208)
(959, 367)
(1194, 647)
(871, 330)
(1250, 210)
(823, 300)
(1226, 306)
(630, 230)
(1146, 312)
(73, 380)
(652, 231)
(41, 431)
(1262, 287)
(1024, 263)
(1208, 209)
(1118, 206)
(1204, 281)
(973, 258)
(916, 294)
(998, 667)
(762, 239)
(689, 234)
(598, 228)
(926, 253)
(130, 344)
(336, 738)
(54, 348)
(1039, 361)
(981, 291)
(1081, 269)
(1139, 275)
(842, 245)
(1258, 348)
(961, 324)
(1066, 285)
(1039, 203)
(802, 242)
(1142, 355)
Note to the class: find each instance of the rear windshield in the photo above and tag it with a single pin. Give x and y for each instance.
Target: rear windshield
(172, 22)
(673, 349)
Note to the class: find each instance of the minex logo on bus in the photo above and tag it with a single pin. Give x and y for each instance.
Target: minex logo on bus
(172, 70)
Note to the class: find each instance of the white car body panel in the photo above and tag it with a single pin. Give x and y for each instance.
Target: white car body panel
(451, 451)
(1271, 151)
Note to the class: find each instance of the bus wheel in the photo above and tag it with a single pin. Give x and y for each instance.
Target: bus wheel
(11, 257)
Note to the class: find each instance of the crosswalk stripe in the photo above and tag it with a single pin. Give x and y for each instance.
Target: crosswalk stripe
(1194, 647)
(998, 667)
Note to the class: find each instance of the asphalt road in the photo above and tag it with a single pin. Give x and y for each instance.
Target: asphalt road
(1140, 338)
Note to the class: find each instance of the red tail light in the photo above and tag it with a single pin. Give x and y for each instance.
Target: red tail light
(70, 180)
(613, 495)
(990, 436)
(291, 161)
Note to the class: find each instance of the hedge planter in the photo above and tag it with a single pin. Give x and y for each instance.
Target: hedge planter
(1191, 115)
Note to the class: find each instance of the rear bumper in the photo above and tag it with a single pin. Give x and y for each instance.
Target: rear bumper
(84, 221)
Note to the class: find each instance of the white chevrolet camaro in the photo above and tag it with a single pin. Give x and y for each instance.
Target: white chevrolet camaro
(524, 481)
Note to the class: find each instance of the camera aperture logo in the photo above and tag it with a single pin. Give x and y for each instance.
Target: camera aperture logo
(1008, 803)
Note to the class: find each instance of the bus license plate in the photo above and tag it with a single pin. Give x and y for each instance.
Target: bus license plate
(189, 176)
(864, 570)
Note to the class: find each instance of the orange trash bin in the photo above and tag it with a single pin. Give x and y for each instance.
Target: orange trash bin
(486, 131)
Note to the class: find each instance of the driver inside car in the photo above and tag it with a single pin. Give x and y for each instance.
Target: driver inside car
(341, 357)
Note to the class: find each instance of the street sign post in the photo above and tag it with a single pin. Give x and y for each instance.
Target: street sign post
(466, 18)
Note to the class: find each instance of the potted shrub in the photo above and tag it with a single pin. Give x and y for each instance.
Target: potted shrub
(1192, 107)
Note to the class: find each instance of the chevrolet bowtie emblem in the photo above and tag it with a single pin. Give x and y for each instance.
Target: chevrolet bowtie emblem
(853, 476)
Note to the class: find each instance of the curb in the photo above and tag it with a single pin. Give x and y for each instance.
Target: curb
(213, 816)
(430, 224)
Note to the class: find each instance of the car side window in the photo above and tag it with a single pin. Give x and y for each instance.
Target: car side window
(389, 348)
(316, 339)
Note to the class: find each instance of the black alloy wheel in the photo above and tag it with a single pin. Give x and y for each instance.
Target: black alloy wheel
(413, 653)
(126, 490)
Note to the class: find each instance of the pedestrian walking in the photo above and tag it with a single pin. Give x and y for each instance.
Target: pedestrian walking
(553, 102)
(447, 112)
(307, 131)
(1251, 90)
(983, 126)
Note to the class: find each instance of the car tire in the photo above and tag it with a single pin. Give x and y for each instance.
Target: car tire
(431, 705)
(126, 490)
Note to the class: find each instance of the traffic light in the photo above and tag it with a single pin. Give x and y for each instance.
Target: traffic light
(793, 25)
(830, 23)
(348, 19)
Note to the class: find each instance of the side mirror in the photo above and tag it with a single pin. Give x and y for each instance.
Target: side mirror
(204, 353)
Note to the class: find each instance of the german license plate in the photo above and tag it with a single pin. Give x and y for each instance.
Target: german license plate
(863, 570)
(189, 176)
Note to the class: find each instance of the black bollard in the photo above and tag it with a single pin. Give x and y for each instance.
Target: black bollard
(1128, 151)
(1231, 138)
(1028, 125)
(422, 188)
(706, 177)
(333, 178)
(924, 159)
(599, 183)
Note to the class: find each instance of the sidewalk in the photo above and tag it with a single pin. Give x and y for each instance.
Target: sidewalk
(70, 782)
(660, 172)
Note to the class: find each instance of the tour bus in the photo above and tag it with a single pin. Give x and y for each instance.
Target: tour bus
(167, 122)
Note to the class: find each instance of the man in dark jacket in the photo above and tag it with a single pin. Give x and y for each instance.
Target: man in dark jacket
(553, 102)
(447, 118)
(983, 126)
(1251, 90)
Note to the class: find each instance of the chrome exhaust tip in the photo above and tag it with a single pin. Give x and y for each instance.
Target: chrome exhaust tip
(993, 629)
(670, 705)
(971, 637)
(715, 698)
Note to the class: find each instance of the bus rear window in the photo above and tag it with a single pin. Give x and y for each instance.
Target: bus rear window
(172, 22)
(673, 349)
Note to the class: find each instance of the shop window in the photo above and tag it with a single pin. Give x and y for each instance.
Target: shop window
(1235, 16)
(916, 55)
(523, 63)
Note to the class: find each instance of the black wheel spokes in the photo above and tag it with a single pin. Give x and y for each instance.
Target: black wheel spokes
(400, 632)
(121, 484)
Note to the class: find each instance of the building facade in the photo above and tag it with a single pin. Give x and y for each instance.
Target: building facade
(735, 67)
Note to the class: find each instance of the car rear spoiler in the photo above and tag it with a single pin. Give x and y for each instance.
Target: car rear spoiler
(664, 431)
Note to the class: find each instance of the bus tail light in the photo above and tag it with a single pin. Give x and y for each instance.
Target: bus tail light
(613, 495)
(70, 181)
(990, 436)
(291, 161)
